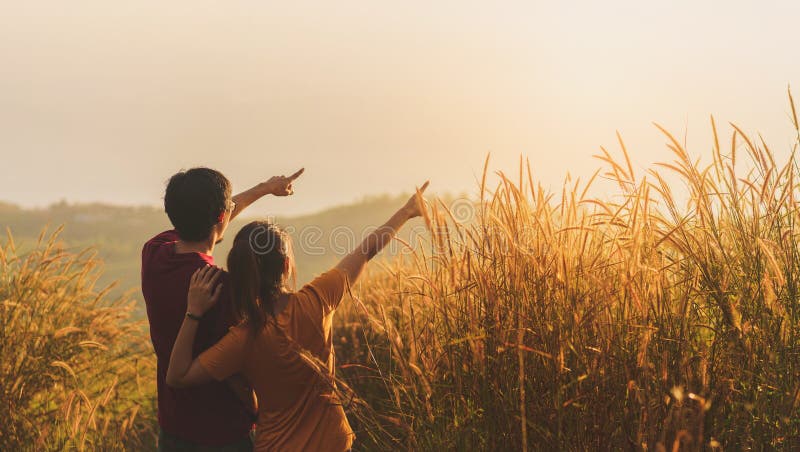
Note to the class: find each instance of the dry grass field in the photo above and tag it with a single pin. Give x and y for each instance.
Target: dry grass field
(77, 372)
(562, 322)
(548, 321)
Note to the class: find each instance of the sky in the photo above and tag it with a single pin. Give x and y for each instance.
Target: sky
(103, 101)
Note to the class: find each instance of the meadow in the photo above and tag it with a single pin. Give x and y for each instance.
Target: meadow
(77, 369)
(560, 321)
(550, 320)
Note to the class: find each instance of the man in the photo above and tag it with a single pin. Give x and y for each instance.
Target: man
(198, 202)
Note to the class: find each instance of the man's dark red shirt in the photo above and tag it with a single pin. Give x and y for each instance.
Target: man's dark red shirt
(210, 414)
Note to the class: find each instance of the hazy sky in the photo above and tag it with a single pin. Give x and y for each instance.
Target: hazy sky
(104, 100)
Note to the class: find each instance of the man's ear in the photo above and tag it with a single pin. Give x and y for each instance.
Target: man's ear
(218, 232)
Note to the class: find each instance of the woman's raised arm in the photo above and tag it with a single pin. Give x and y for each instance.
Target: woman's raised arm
(354, 263)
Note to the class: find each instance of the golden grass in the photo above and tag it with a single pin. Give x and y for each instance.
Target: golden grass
(76, 371)
(551, 321)
(560, 321)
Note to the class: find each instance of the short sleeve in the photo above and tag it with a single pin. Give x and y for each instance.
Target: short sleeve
(328, 288)
(222, 312)
(155, 243)
(227, 356)
(164, 237)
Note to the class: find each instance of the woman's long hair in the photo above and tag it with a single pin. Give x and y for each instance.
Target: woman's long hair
(260, 263)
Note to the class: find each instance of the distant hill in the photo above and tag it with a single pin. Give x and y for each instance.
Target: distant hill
(117, 233)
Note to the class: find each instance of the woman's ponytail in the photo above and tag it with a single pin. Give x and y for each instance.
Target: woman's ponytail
(257, 263)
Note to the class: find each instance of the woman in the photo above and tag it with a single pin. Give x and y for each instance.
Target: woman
(297, 407)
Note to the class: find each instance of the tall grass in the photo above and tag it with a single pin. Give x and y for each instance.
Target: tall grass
(75, 371)
(561, 321)
(655, 319)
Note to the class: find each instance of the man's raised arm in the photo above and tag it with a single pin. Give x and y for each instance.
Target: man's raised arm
(276, 185)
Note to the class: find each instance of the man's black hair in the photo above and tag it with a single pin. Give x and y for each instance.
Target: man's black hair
(194, 201)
